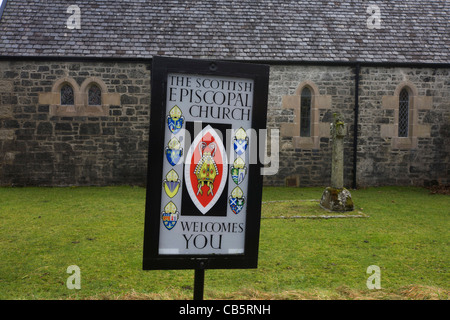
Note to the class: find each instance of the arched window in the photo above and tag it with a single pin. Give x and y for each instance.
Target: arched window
(94, 95)
(305, 113)
(306, 129)
(403, 113)
(67, 96)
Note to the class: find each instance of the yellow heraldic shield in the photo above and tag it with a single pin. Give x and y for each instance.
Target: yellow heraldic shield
(171, 183)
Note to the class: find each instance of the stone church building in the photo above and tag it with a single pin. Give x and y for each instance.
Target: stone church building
(75, 84)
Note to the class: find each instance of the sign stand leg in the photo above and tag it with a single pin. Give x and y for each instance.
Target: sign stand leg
(199, 282)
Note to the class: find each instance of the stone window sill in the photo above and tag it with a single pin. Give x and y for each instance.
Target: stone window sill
(306, 142)
(404, 143)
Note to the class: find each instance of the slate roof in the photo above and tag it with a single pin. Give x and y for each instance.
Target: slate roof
(269, 30)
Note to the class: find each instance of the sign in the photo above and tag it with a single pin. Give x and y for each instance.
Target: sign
(205, 116)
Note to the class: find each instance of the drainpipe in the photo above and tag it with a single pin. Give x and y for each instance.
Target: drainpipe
(355, 124)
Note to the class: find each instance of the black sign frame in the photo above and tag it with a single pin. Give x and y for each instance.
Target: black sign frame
(161, 67)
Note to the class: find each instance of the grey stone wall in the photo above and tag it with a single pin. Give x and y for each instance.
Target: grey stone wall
(380, 161)
(37, 148)
(311, 166)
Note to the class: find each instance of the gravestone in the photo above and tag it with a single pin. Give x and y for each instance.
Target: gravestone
(337, 198)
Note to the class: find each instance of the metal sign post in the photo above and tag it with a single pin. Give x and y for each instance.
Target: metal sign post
(199, 284)
(206, 118)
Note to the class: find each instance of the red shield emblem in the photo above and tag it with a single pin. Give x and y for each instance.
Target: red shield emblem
(206, 169)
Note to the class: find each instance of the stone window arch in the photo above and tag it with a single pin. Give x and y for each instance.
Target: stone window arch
(80, 105)
(95, 97)
(405, 115)
(306, 103)
(64, 99)
(406, 129)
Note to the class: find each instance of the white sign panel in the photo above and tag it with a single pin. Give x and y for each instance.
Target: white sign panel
(205, 181)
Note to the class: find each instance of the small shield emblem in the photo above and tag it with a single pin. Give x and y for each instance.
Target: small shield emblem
(238, 171)
(171, 183)
(206, 169)
(170, 216)
(175, 125)
(236, 200)
(175, 120)
(174, 151)
(240, 141)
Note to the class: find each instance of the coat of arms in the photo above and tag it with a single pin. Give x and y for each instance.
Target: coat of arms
(240, 141)
(236, 200)
(171, 183)
(175, 120)
(206, 169)
(170, 215)
(174, 151)
(238, 171)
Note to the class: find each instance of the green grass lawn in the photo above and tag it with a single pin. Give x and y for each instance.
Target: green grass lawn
(403, 230)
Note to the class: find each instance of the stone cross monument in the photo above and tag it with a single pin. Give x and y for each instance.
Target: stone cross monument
(338, 131)
(337, 198)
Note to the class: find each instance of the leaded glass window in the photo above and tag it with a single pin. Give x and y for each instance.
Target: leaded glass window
(94, 96)
(305, 113)
(67, 97)
(403, 113)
